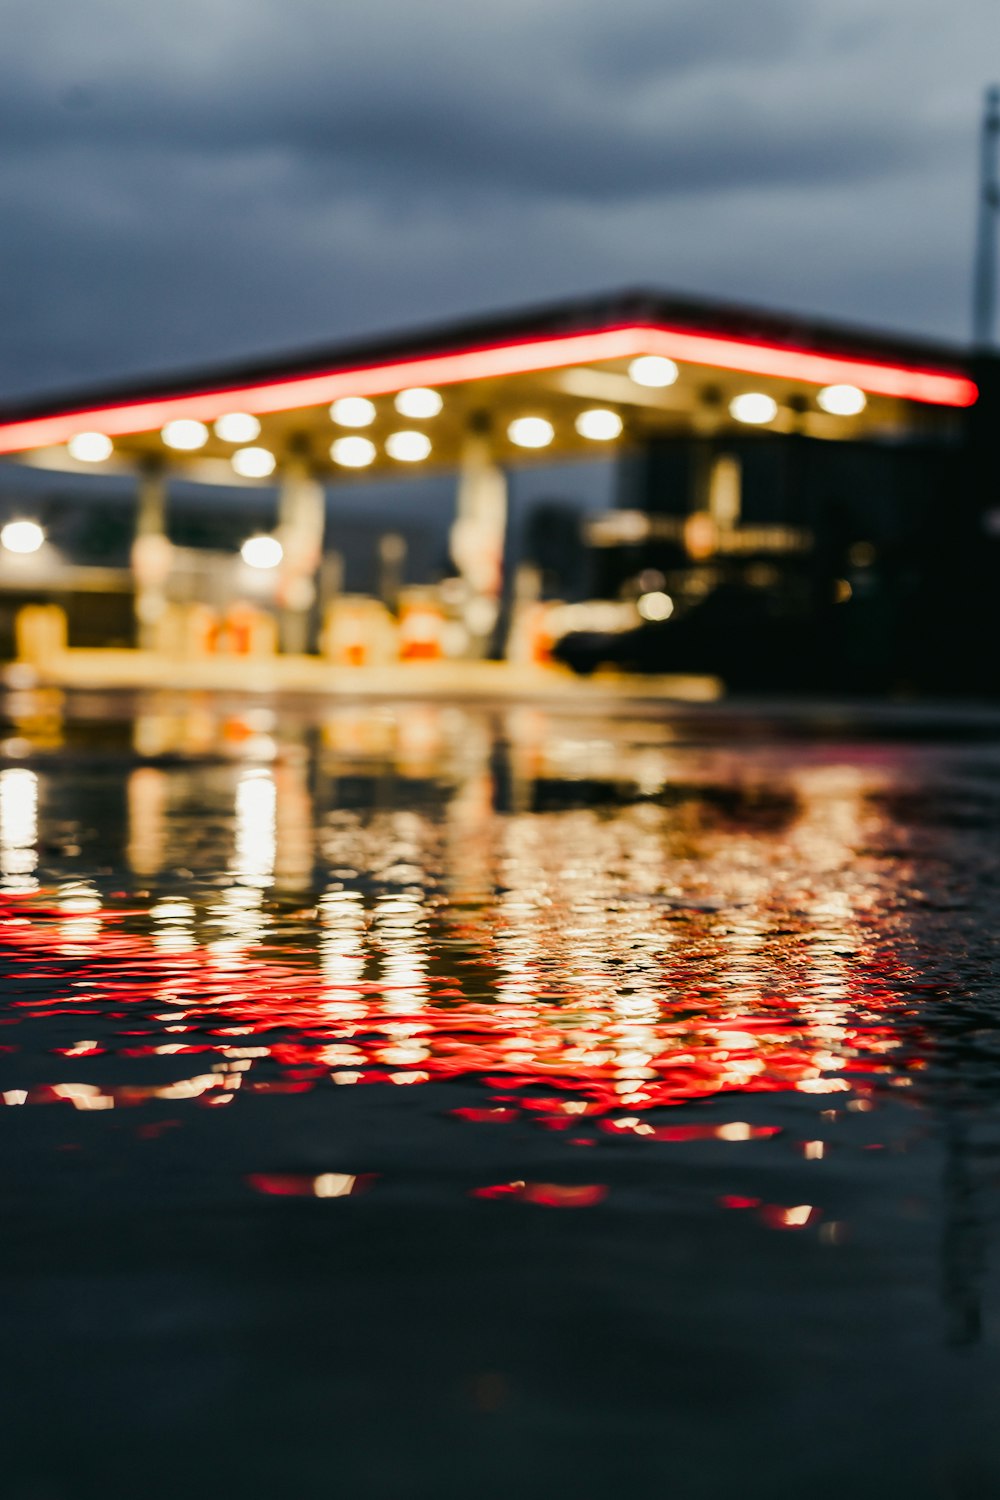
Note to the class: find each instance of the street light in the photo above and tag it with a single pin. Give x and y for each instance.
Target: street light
(22, 537)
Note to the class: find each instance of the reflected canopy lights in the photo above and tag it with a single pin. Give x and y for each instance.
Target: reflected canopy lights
(22, 537)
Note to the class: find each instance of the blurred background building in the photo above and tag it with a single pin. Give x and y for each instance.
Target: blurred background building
(637, 482)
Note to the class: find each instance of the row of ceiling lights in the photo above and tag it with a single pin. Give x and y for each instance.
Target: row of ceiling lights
(421, 403)
(26, 537)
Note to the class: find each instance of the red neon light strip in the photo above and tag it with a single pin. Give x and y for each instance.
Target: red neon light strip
(932, 387)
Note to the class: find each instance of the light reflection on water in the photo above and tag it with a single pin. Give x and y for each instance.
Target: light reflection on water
(437, 1067)
(591, 928)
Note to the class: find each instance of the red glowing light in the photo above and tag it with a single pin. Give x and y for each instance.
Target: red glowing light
(281, 1029)
(547, 1194)
(495, 361)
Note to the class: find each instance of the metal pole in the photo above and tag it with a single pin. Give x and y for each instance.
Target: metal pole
(984, 285)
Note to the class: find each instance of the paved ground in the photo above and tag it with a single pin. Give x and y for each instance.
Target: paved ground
(424, 1100)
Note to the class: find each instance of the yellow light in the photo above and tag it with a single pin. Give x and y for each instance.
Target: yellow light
(653, 370)
(353, 411)
(531, 432)
(185, 434)
(22, 536)
(418, 402)
(333, 1185)
(253, 463)
(90, 447)
(353, 452)
(262, 552)
(754, 408)
(842, 400)
(408, 447)
(599, 425)
(237, 427)
(655, 606)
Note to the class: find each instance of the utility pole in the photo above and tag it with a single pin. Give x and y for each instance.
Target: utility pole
(984, 286)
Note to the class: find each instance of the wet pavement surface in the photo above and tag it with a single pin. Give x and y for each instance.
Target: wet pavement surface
(432, 1101)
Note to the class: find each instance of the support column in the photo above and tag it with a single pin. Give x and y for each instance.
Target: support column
(151, 553)
(716, 500)
(301, 519)
(479, 532)
(725, 491)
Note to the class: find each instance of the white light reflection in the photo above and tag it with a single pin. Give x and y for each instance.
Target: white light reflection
(342, 956)
(173, 925)
(18, 829)
(238, 912)
(256, 829)
(79, 900)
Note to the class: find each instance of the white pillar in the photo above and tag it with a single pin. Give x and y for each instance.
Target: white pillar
(151, 553)
(301, 518)
(478, 534)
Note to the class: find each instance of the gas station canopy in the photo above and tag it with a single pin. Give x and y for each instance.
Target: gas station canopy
(567, 381)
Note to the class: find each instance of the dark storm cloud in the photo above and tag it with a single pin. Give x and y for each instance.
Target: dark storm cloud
(206, 179)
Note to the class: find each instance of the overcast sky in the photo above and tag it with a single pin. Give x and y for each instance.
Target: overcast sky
(210, 178)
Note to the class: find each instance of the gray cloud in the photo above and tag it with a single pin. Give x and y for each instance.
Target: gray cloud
(213, 178)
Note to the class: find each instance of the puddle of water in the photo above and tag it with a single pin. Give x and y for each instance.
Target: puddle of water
(494, 1049)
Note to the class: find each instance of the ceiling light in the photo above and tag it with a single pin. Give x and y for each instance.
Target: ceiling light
(253, 463)
(185, 434)
(353, 411)
(842, 400)
(353, 452)
(22, 536)
(599, 425)
(262, 552)
(531, 432)
(420, 401)
(90, 447)
(408, 447)
(753, 407)
(237, 427)
(653, 370)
